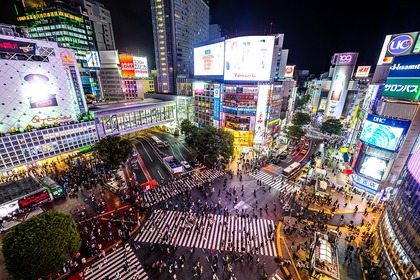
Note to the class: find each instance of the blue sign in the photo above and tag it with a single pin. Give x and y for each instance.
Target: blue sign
(407, 66)
(400, 44)
(216, 108)
(385, 133)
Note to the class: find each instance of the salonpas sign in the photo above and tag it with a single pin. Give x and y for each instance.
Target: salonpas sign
(402, 88)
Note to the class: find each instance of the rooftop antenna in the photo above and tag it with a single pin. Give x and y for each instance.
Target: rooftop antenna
(271, 25)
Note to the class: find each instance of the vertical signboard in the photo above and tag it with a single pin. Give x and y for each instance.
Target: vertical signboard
(261, 114)
(127, 65)
(73, 78)
(345, 64)
(216, 109)
(140, 67)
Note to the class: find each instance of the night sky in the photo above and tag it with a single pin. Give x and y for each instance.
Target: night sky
(313, 30)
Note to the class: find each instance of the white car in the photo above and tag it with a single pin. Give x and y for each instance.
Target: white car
(185, 164)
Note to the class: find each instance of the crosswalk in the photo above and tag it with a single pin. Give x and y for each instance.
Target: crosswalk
(114, 266)
(209, 232)
(282, 185)
(172, 189)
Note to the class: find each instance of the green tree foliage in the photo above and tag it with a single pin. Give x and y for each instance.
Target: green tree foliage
(300, 118)
(332, 126)
(294, 133)
(113, 150)
(209, 142)
(40, 245)
(301, 101)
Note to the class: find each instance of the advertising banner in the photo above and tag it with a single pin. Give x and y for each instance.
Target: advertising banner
(365, 182)
(12, 46)
(385, 133)
(289, 71)
(402, 88)
(261, 114)
(373, 167)
(209, 60)
(337, 87)
(92, 58)
(248, 58)
(406, 66)
(362, 72)
(141, 69)
(127, 65)
(216, 109)
(398, 44)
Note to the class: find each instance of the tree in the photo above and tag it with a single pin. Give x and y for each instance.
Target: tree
(209, 142)
(300, 118)
(301, 101)
(40, 245)
(113, 150)
(332, 126)
(294, 132)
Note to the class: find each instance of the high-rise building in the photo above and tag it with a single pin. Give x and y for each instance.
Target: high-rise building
(397, 244)
(102, 25)
(66, 22)
(177, 26)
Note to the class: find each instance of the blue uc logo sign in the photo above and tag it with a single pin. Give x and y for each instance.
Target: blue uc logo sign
(400, 44)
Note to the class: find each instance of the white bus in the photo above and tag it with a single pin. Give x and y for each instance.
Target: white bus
(158, 142)
(291, 168)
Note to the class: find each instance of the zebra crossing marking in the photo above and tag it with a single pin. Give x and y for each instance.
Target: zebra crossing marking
(267, 178)
(114, 263)
(164, 226)
(166, 192)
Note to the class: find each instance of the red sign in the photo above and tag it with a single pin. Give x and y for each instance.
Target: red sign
(127, 65)
(34, 199)
(17, 46)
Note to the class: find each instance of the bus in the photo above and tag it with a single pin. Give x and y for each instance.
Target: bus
(291, 168)
(158, 142)
(55, 190)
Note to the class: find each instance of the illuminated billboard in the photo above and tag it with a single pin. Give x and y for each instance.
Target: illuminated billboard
(398, 44)
(362, 72)
(14, 46)
(385, 133)
(402, 88)
(141, 69)
(248, 58)
(261, 114)
(127, 65)
(373, 167)
(405, 66)
(45, 95)
(92, 58)
(209, 60)
(289, 71)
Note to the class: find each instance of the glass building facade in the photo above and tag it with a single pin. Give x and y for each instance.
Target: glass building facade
(398, 242)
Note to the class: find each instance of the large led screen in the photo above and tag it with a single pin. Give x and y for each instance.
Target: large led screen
(383, 132)
(373, 167)
(248, 58)
(209, 60)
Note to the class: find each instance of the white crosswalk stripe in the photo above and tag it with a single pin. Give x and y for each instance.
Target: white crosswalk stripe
(212, 231)
(114, 263)
(267, 179)
(172, 189)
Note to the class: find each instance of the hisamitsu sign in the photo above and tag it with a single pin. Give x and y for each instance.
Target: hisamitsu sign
(407, 66)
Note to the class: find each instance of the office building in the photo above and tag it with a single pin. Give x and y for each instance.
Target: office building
(67, 23)
(177, 26)
(101, 21)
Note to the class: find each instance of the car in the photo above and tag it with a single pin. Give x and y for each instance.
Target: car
(185, 164)
(306, 168)
(303, 151)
